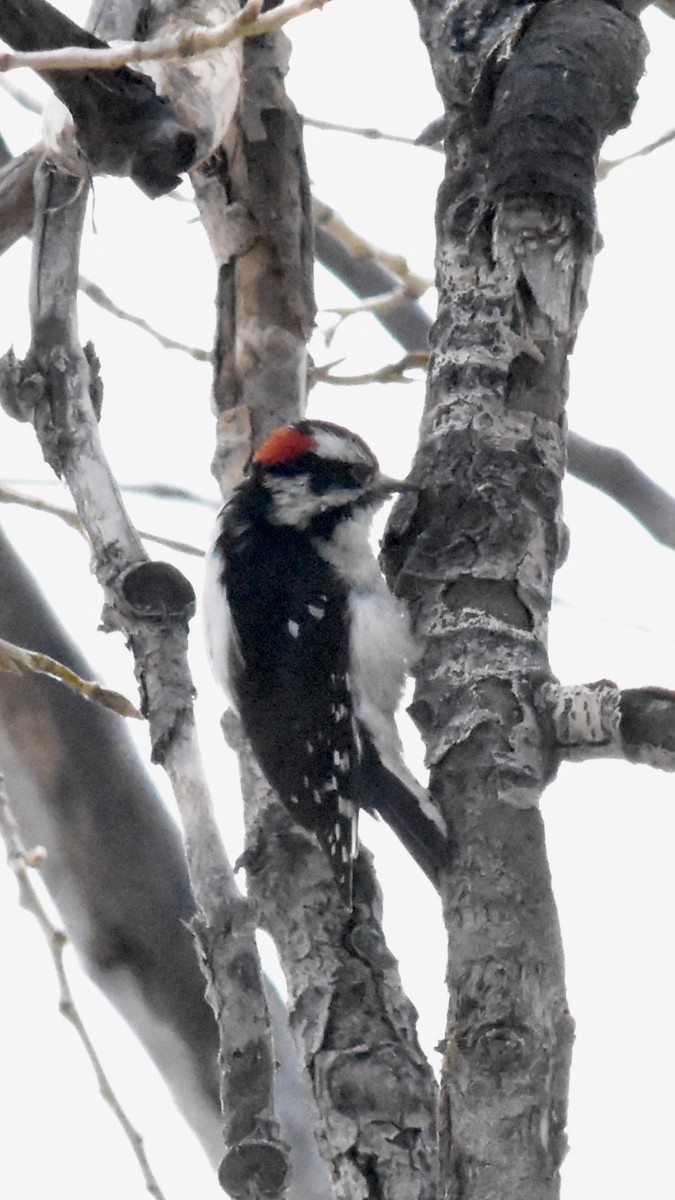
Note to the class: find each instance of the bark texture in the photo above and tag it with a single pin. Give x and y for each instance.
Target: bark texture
(254, 201)
(527, 89)
(122, 126)
(56, 388)
(374, 1094)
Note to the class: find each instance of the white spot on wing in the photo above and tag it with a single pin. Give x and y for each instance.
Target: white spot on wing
(293, 628)
(316, 612)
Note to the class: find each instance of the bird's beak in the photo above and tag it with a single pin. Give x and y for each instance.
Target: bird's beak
(383, 486)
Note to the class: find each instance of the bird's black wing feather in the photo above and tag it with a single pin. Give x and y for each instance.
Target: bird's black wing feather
(388, 795)
(288, 608)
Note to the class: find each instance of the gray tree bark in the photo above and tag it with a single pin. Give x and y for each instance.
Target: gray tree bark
(530, 91)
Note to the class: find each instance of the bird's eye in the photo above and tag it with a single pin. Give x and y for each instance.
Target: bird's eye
(328, 475)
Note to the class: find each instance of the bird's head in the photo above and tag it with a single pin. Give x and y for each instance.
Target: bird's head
(313, 468)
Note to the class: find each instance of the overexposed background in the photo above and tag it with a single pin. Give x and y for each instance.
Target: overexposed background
(610, 826)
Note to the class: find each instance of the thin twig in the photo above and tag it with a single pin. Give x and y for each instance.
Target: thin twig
(21, 97)
(608, 164)
(98, 296)
(16, 660)
(169, 491)
(383, 303)
(185, 43)
(373, 134)
(20, 861)
(390, 373)
(327, 218)
(379, 306)
(7, 496)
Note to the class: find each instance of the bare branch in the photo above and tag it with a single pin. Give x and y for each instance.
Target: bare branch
(382, 306)
(249, 23)
(16, 197)
(151, 603)
(385, 303)
(255, 206)
(116, 124)
(327, 219)
(7, 496)
(21, 97)
(371, 134)
(20, 861)
(606, 165)
(598, 720)
(18, 661)
(98, 296)
(390, 373)
(613, 472)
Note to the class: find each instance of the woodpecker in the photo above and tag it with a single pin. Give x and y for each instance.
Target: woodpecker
(311, 647)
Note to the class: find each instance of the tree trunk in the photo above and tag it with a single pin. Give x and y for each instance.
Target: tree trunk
(530, 92)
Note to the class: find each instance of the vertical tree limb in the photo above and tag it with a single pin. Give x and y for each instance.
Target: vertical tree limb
(254, 201)
(526, 88)
(374, 1093)
(150, 604)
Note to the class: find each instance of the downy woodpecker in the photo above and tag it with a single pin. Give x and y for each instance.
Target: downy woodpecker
(310, 645)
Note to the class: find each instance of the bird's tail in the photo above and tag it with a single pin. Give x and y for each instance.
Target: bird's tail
(392, 791)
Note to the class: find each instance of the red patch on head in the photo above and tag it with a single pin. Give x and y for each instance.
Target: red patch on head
(282, 446)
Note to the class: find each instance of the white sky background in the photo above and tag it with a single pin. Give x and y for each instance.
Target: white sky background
(611, 827)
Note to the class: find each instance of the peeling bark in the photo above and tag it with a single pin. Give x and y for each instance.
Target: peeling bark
(53, 389)
(475, 559)
(254, 201)
(598, 720)
(122, 126)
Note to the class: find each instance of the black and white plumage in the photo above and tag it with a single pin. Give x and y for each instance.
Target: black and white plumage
(310, 645)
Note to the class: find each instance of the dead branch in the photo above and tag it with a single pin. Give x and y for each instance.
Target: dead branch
(8, 496)
(18, 661)
(606, 165)
(389, 373)
(115, 862)
(327, 219)
(152, 604)
(98, 296)
(614, 473)
(21, 97)
(190, 42)
(21, 863)
(599, 720)
(123, 127)
(603, 467)
(369, 133)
